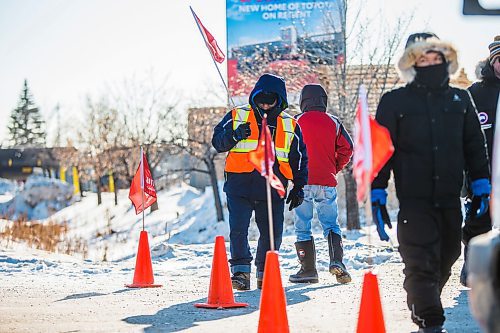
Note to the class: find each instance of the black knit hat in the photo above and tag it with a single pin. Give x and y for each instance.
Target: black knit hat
(494, 50)
(419, 37)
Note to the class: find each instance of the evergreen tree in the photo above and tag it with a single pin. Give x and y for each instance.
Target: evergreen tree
(26, 125)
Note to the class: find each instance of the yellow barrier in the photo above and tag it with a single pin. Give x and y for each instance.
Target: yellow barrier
(76, 181)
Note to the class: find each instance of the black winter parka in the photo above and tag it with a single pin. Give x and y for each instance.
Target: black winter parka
(436, 135)
(485, 96)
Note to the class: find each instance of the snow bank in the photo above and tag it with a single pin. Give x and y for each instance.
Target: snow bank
(40, 198)
(186, 216)
(8, 189)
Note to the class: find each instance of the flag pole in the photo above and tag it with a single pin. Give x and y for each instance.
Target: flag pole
(142, 185)
(368, 166)
(268, 189)
(212, 56)
(369, 218)
(270, 214)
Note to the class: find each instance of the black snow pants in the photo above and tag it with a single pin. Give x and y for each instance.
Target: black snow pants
(429, 243)
(240, 212)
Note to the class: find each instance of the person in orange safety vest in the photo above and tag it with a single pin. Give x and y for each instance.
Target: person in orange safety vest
(238, 134)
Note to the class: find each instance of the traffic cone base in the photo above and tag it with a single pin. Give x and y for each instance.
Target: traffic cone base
(134, 285)
(221, 305)
(143, 274)
(220, 293)
(371, 318)
(273, 317)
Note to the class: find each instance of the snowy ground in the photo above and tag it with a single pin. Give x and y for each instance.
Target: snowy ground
(47, 292)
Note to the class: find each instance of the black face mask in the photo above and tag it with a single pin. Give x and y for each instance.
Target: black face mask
(273, 112)
(434, 76)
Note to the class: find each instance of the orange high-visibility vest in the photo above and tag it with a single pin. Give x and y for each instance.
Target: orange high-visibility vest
(237, 157)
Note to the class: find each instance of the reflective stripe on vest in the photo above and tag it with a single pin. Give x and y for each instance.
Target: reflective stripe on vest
(237, 158)
(247, 145)
(288, 129)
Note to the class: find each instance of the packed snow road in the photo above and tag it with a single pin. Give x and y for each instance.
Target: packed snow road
(43, 292)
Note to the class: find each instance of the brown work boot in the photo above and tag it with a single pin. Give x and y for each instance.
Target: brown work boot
(336, 252)
(241, 281)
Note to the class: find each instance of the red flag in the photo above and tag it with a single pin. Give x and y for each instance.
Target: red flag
(210, 41)
(372, 147)
(263, 158)
(142, 190)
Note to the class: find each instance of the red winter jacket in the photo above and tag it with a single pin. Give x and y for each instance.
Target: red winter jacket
(329, 146)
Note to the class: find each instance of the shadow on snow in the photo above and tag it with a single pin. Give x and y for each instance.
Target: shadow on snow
(181, 316)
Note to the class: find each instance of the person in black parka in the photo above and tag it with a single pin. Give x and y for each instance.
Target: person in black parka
(485, 94)
(436, 135)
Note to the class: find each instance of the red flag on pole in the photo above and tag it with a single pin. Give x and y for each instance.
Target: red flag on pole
(142, 190)
(263, 158)
(210, 41)
(372, 147)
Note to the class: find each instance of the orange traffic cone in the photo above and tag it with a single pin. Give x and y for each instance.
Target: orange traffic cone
(220, 293)
(143, 275)
(371, 318)
(273, 316)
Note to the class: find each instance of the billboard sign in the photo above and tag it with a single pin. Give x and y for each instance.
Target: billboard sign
(287, 38)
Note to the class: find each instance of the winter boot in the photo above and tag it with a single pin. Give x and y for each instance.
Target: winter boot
(260, 278)
(306, 252)
(336, 252)
(463, 272)
(241, 281)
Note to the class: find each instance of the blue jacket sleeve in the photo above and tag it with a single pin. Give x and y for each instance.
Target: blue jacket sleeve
(222, 139)
(298, 159)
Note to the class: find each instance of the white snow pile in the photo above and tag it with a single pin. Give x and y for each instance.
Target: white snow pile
(40, 198)
(186, 216)
(8, 189)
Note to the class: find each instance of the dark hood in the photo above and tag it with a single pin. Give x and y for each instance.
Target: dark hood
(313, 98)
(486, 73)
(270, 83)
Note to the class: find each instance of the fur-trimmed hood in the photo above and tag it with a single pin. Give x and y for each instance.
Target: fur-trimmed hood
(415, 50)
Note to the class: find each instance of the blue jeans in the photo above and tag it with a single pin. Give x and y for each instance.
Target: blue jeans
(325, 200)
(240, 212)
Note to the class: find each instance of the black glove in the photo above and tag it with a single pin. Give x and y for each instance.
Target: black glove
(295, 197)
(476, 206)
(242, 132)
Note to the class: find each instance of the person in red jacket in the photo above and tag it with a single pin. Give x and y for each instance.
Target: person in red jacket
(329, 148)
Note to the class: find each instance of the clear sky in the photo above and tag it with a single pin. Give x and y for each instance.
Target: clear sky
(70, 48)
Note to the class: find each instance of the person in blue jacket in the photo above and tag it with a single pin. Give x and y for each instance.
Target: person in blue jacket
(238, 134)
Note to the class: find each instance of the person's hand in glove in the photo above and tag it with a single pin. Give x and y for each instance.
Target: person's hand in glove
(295, 197)
(242, 132)
(480, 203)
(379, 212)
